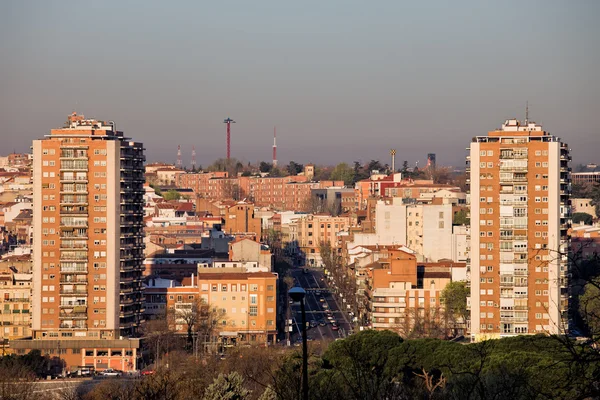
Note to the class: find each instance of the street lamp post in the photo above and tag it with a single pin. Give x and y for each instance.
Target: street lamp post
(297, 294)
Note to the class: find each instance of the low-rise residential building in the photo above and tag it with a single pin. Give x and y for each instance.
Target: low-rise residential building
(15, 305)
(583, 206)
(247, 249)
(404, 296)
(310, 231)
(243, 305)
(240, 218)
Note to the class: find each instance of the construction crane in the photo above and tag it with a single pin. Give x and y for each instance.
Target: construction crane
(229, 121)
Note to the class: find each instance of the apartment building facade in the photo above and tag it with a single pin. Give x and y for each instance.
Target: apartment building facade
(15, 306)
(243, 305)
(88, 243)
(520, 214)
(310, 231)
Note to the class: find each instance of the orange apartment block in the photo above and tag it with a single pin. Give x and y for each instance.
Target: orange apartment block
(88, 245)
(309, 231)
(288, 192)
(245, 303)
(520, 216)
(398, 291)
(239, 218)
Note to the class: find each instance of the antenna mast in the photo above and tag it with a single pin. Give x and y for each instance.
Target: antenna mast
(526, 112)
(193, 157)
(274, 146)
(179, 163)
(228, 121)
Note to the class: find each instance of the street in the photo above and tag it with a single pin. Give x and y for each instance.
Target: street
(319, 305)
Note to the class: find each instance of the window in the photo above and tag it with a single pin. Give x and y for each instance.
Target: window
(253, 299)
(253, 311)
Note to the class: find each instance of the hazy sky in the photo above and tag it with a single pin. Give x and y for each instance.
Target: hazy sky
(341, 80)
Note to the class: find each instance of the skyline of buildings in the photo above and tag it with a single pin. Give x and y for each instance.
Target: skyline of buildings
(100, 236)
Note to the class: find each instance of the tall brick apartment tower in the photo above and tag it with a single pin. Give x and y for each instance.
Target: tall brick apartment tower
(88, 242)
(520, 213)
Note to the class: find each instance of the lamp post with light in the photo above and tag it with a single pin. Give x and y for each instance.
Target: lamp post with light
(297, 294)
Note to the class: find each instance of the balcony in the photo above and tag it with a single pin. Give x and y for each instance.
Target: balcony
(69, 326)
(73, 282)
(74, 212)
(73, 292)
(521, 272)
(73, 270)
(73, 315)
(17, 300)
(72, 304)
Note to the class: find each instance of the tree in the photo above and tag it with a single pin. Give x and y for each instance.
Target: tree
(404, 167)
(343, 172)
(265, 166)
(190, 315)
(589, 307)
(454, 297)
(460, 218)
(171, 195)
(579, 217)
(361, 364)
(294, 168)
(374, 165)
(227, 387)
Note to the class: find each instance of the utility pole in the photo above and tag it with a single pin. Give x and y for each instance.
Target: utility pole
(228, 121)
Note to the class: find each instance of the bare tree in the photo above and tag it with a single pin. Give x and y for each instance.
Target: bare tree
(16, 383)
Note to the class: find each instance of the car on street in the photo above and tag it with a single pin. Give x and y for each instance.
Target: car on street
(322, 322)
(334, 326)
(325, 306)
(111, 372)
(330, 318)
(317, 293)
(314, 324)
(322, 299)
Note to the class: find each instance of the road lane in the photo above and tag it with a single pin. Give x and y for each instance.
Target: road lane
(314, 281)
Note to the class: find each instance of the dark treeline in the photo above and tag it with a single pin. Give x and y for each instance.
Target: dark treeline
(376, 365)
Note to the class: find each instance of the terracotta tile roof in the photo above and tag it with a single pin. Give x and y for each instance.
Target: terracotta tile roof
(186, 207)
(166, 206)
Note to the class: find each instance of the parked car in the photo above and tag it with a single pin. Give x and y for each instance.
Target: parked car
(111, 372)
(148, 372)
(314, 324)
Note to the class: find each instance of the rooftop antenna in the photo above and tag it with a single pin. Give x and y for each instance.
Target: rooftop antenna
(526, 112)
(179, 156)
